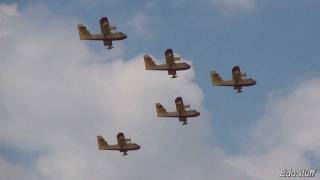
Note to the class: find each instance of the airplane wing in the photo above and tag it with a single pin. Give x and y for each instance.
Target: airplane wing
(173, 73)
(182, 119)
(108, 43)
(236, 73)
(169, 56)
(179, 105)
(170, 60)
(104, 26)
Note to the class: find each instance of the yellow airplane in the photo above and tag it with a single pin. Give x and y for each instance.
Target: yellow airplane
(171, 66)
(106, 35)
(238, 79)
(123, 145)
(182, 113)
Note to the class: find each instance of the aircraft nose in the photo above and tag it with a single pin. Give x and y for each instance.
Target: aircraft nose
(138, 147)
(254, 82)
(188, 66)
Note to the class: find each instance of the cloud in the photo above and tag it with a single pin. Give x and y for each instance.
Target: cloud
(231, 5)
(286, 136)
(11, 171)
(57, 95)
(5, 11)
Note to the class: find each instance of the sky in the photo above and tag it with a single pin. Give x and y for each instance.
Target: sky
(58, 93)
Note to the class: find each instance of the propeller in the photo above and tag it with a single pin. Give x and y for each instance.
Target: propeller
(113, 28)
(177, 58)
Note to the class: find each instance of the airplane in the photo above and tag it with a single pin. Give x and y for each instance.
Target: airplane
(238, 79)
(171, 66)
(123, 145)
(107, 35)
(181, 112)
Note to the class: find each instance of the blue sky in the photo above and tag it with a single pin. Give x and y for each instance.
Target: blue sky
(275, 42)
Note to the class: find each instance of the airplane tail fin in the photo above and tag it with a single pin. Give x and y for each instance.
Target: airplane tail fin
(102, 144)
(83, 32)
(216, 79)
(148, 62)
(160, 109)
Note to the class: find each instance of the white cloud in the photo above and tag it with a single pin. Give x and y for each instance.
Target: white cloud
(248, 5)
(11, 171)
(285, 135)
(57, 95)
(5, 11)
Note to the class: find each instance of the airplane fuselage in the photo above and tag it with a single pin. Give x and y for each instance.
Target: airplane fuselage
(129, 147)
(110, 37)
(189, 113)
(124, 148)
(247, 82)
(173, 67)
